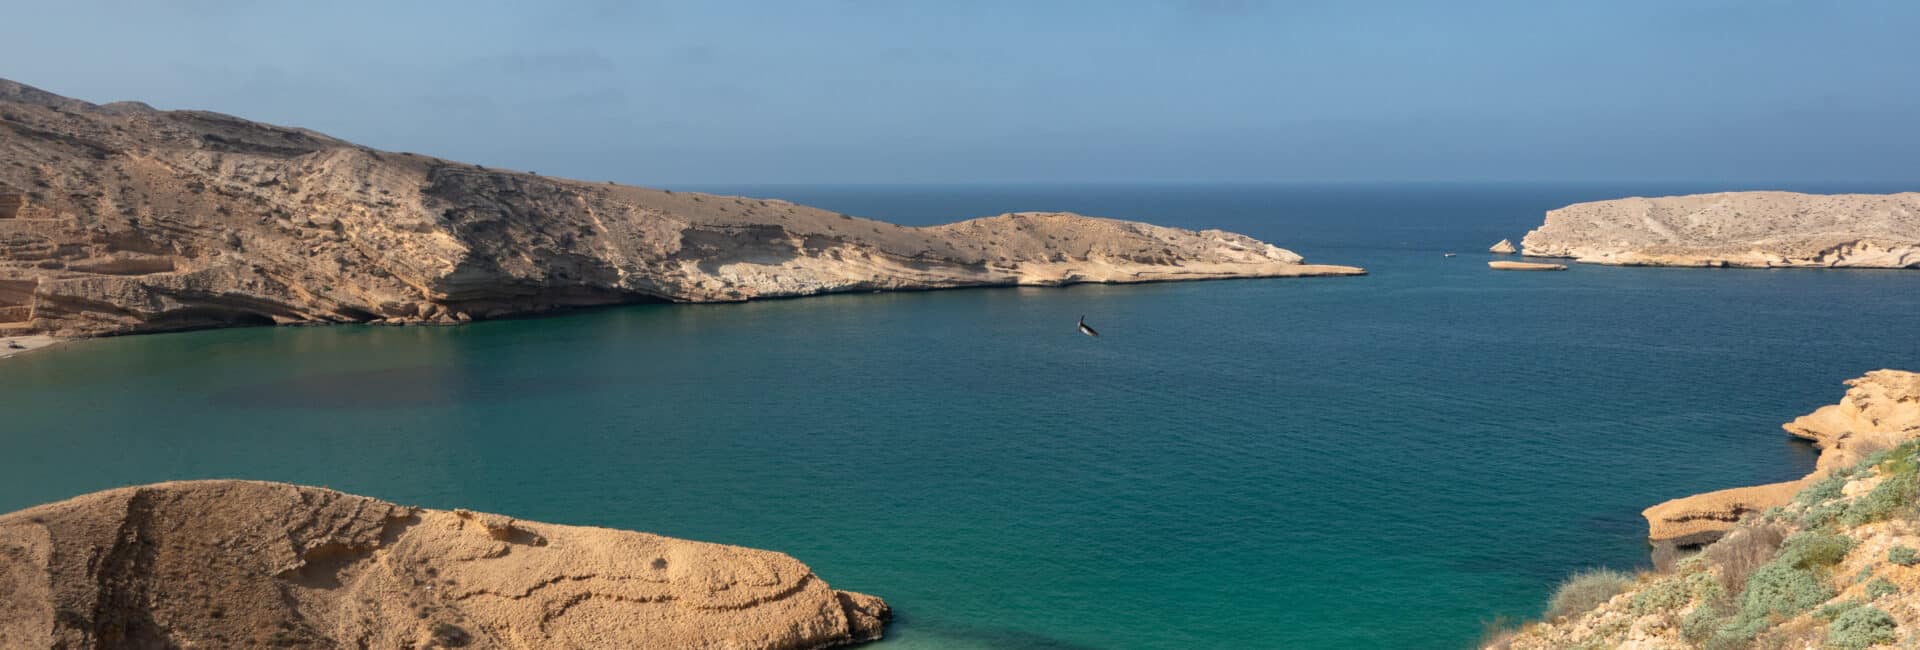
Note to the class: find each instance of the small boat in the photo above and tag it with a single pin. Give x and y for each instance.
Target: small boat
(1084, 329)
(1452, 254)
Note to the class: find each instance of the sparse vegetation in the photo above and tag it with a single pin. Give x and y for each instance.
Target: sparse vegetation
(1771, 583)
(1881, 587)
(1586, 590)
(1860, 627)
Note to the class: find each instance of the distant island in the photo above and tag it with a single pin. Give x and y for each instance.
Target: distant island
(1737, 229)
(119, 218)
(247, 564)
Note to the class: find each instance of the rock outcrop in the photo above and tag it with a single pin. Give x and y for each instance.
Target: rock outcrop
(119, 218)
(1503, 265)
(231, 564)
(1832, 561)
(1504, 247)
(1738, 229)
(1881, 410)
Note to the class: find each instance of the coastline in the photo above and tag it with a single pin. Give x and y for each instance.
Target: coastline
(28, 343)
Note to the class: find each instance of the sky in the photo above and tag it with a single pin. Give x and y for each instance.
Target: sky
(905, 92)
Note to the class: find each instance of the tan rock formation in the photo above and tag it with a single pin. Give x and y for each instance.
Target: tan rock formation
(137, 220)
(1738, 229)
(229, 564)
(1881, 410)
(1504, 247)
(1503, 265)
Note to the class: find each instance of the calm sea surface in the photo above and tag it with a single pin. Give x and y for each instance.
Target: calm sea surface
(1379, 462)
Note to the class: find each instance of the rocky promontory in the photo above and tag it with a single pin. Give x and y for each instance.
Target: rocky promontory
(1880, 410)
(233, 564)
(1831, 561)
(120, 218)
(1737, 229)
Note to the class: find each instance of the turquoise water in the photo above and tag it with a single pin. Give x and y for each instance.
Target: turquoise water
(1384, 461)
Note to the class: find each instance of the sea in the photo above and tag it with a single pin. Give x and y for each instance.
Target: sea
(1401, 460)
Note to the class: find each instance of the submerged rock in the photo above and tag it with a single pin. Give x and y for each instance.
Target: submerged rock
(120, 218)
(1738, 229)
(227, 564)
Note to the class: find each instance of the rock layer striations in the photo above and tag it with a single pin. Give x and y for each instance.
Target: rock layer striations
(231, 564)
(1738, 229)
(120, 218)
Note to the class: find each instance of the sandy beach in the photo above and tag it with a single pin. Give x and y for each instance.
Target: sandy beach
(26, 344)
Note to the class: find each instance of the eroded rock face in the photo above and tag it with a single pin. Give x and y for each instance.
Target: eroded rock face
(223, 564)
(1880, 411)
(131, 220)
(1503, 247)
(1739, 229)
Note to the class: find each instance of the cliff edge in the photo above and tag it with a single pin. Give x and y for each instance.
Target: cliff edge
(227, 564)
(1830, 561)
(119, 218)
(1880, 410)
(1737, 229)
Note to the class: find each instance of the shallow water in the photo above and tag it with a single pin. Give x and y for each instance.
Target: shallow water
(1383, 461)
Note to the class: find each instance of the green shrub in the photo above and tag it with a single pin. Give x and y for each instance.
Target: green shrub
(1881, 587)
(1822, 491)
(1706, 588)
(1586, 590)
(1781, 589)
(1663, 596)
(1903, 556)
(1814, 550)
(1893, 495)
(1832, 611)
(1859, 628)
(1700, 625)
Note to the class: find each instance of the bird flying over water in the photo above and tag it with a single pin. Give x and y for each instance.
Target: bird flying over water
(1087, 330)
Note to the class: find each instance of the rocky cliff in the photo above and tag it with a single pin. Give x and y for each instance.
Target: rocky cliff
(1739, 229)
(231, 564)
(1830, 561)
(1880, 410)
(120, 218)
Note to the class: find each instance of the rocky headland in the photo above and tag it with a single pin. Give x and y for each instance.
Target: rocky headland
(1880, 411)
(1828, 561)
(231, 564)
(1507, 265)
(120, 218)
(1737, 229)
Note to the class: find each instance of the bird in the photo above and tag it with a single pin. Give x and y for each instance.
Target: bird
(1084, 329)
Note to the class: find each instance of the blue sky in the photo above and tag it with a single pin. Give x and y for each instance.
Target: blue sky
(872, 91)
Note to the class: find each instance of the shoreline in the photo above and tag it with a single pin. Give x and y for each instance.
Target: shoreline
(28, 343)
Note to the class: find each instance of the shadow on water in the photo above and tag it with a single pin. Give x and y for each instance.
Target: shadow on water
(977, 636)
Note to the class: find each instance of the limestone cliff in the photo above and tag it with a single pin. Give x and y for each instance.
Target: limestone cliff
(1880, 410)
(120, 218)
(1830, 561)
(1738, 229)
(231, 564)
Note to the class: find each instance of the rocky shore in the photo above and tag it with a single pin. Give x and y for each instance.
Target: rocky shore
(230, 564)
(1737, 229)
(119, 218)
(1880, 411)
(1828, 561)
